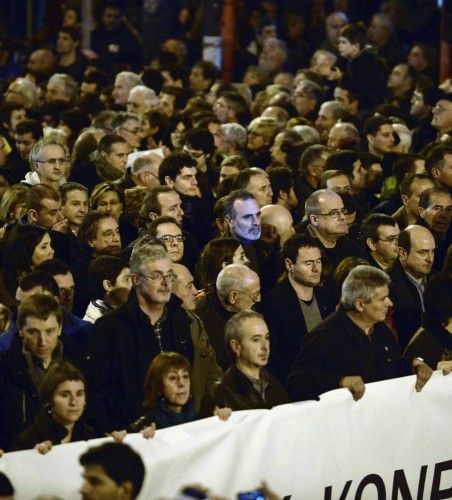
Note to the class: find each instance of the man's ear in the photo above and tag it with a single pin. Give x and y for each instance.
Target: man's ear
(313, 219)
(404, 199)
(126, 490)
(288, 264)
(135, 278)
(228, 220)
(107, 286)
(153, 216)
(283, 195)
(168, 181)
(371, 244)
(402, 254)
(358, 303)
(436, 172)
(235, 346)
(370, 138)
(32, 215)
(231, 297)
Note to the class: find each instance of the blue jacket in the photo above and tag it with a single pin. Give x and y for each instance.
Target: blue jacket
(74, 327)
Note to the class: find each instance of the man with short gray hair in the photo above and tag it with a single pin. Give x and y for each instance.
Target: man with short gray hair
(49, 161)
(127, 340)
(125, 81)
(353, 346)
(247, 385)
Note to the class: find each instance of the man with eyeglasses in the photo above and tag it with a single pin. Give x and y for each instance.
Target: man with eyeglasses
(380, 239)
(125, 341)
(128, 126)
(326, 222)
(237, 289)
(168, 231)
(442, 116)
(49, 162)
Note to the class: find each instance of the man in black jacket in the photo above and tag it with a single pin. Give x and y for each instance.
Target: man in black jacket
(247, 385)
(408, 278)
(124, 342)
(37, 347)
(297, 304)
(353, 345)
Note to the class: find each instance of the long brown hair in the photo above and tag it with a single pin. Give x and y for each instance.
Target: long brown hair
(159, 367)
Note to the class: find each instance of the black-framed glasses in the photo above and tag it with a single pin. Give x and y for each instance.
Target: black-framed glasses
(170, 238)
(158, 277)
(334, 214)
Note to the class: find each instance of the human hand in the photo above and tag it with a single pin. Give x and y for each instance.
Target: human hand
(44, 447)
(354, 384)
(61, 226)
(268, 493)
(118, 436)
(149, 431)
(423, 373)
(446, 366)
(222, 413)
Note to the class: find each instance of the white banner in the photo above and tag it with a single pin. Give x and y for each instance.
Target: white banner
(392, 444)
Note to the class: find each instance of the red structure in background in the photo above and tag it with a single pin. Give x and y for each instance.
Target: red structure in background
(445, 54)
(228, 35)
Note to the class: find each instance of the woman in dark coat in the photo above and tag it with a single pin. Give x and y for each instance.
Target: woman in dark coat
(60, 419)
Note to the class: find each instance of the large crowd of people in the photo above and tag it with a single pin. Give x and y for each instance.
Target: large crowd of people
(176, 246)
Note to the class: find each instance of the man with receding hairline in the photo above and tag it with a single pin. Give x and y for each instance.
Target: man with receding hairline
(408, 278)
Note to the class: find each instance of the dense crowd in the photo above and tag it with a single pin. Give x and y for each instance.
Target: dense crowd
(176, 246)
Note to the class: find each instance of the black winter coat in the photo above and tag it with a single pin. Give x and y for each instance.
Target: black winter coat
(121, 348)
(284, 317)
(19, 399)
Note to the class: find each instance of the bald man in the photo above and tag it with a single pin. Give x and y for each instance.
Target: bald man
(277, 224)
(206, 372)
(237, 289)
(41, 64)
(326, 222)
(408, 278)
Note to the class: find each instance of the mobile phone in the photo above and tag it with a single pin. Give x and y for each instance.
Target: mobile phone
(190, 492)
(251, 495)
